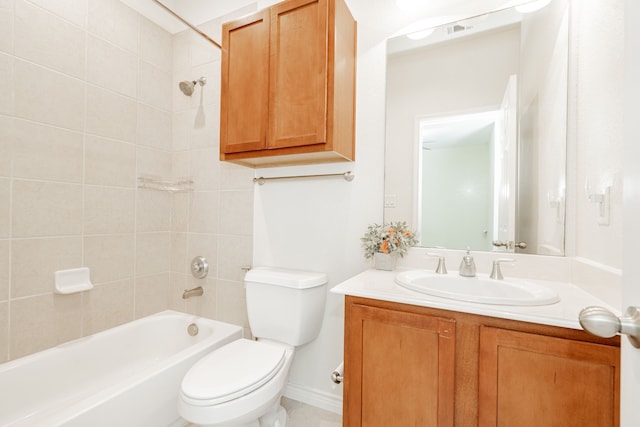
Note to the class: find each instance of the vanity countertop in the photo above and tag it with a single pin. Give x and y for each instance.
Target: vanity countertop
(380, 285)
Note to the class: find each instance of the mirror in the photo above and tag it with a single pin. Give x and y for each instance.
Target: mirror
(476, 128)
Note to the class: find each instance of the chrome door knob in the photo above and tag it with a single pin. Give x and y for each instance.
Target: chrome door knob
(603, 323)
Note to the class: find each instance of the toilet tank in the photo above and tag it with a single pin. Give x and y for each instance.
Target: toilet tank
(285, 305)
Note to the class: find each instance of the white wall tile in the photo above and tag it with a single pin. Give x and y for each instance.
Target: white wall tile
(180, 166)
(152, 162)
(205, 245)
(109, 162)
(4, 272)
(182, 125)
(111, 67)
(74, 11)
(234, 252)
(46, 209)
(108, 210)
(179, 261)
(154, 86)
(109, 257)
(48, 40)
(153, 211)
(6, 28)
(204, 212)
(236, 212)
(153, 253)
(115, 22)
(47, 152)
(111, 115)
(180, 211)
(203, 52)
(154, 127)
(6, 145)
(5, 208)
(236, 177)
(156, 46)
(206, 129)
(43, 321)
(151, 294)
(49, 255)
(48, 96)
(204, 166)
(4, 336)
(7, 84)
(107, 306)
(231, 304)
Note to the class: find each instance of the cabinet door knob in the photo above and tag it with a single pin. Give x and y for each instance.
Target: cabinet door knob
(603, 323)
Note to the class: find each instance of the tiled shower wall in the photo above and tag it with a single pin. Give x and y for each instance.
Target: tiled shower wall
(88, 103)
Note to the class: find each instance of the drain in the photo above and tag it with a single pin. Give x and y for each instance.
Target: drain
(192, 329)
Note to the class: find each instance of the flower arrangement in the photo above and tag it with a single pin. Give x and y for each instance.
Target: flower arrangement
(391, 238)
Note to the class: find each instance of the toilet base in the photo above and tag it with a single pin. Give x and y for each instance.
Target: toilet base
(276, 416)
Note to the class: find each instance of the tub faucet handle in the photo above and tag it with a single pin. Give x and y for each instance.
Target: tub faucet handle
(496, 272)
(441, 268)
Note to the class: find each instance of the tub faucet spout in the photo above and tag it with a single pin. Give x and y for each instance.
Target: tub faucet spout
(195, 292)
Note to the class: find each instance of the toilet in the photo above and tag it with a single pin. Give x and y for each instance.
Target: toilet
(240, 384)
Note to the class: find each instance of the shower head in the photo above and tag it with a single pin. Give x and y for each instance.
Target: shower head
(187, 87)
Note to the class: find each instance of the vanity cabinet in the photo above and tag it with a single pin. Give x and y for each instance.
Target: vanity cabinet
(419, 366)
(534, 380)
(288, 85)
(400, 367)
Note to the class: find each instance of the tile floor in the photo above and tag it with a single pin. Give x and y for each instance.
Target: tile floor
(302, 415)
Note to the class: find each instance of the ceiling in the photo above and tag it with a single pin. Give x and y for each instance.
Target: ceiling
(382, 14)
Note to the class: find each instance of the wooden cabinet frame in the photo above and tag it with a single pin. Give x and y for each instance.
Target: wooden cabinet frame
(475, 365)
(288, 85)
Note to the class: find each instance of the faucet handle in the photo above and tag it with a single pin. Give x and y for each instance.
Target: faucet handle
(496, 272)
(441, 268)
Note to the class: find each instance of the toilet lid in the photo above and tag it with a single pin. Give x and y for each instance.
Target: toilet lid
(232, 371)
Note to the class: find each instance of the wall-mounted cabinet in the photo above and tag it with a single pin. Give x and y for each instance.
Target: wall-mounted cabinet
(288, 85)
(410, 365)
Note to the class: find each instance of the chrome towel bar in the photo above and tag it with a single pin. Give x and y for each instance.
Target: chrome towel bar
(348, 176)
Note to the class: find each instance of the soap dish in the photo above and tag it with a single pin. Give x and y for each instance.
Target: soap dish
(73, 280)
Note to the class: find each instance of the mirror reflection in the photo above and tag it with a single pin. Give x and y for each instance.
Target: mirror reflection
(476, 131)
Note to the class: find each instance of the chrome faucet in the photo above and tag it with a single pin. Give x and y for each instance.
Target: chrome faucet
(496, 273)
(194, 292)
(441, 268)
(467, 266)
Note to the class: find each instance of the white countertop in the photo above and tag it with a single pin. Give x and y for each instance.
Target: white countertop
(380, 285)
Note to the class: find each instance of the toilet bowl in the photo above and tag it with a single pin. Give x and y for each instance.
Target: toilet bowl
(240, 384)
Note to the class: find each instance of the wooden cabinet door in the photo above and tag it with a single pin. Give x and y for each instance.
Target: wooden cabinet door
(298, 85)
(529, 380)
(244, 100)
(399, 368)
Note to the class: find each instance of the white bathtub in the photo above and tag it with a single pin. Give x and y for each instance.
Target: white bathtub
(128, 376)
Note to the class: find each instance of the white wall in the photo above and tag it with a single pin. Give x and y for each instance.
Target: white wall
(595, 127)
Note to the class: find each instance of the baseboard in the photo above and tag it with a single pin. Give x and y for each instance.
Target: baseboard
(320, 399)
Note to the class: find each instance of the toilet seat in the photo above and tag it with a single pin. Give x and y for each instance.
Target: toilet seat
(231, 371)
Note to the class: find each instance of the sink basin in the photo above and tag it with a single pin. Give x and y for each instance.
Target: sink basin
(479, 289)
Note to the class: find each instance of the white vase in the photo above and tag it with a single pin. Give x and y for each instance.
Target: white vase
(384, 261)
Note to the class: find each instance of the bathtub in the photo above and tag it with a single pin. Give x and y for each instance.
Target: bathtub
(128, 376)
